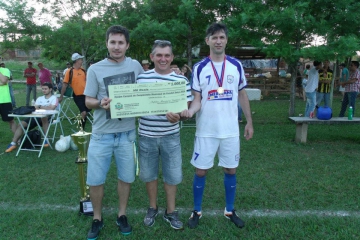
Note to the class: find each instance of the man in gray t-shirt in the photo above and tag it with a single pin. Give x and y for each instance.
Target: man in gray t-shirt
(110, 137)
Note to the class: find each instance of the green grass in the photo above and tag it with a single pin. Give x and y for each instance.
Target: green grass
(278, 181)
(17, 67)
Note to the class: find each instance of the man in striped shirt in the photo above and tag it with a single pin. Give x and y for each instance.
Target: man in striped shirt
(159, 138)
(351, 88)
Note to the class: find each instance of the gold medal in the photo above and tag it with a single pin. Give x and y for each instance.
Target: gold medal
(220, 90)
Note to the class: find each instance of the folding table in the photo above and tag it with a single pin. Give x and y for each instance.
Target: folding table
(33, 116)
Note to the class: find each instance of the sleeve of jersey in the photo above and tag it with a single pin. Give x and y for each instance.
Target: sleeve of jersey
(243, 81)
(66, 77)
(6, 72)
(38, 101)
(195, 81)
(55, 101)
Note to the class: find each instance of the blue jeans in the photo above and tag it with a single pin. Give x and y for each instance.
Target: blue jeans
(12, 94)
(168, 149)
(349, 99)
(29, 88)
(101, 149)
(310, 103)
(239, 112)
(320, 97)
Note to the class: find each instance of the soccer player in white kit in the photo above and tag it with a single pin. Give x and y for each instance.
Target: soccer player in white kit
(218, 85)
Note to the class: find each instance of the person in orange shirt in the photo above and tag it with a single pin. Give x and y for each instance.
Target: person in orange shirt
(76, 78)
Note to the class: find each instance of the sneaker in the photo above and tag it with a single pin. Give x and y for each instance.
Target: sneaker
(234, 218)
(46, 143)
(173, 219)
(311, 114)
(124, 226)
(151, 214)
(95, 229)
(194, 219)
(10, 147)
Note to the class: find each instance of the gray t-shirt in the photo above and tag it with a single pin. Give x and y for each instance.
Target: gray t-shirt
(98, 77)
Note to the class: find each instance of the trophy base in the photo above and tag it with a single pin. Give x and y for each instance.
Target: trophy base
(86, 208)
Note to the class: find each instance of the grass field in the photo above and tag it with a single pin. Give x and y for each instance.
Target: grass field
(285, 190)
(17, 67)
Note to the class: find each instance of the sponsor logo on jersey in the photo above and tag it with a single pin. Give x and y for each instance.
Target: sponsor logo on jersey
(230, 79)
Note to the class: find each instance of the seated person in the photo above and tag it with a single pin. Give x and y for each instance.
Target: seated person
(47, 102)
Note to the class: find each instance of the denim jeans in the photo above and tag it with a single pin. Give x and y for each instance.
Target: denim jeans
(349, 99)
(101, 149)
(320, 97)
(310, 103)
(12, 94)
(29, 88)
(168, 150)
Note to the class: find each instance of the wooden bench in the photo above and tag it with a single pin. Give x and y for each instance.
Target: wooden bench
(303, 122)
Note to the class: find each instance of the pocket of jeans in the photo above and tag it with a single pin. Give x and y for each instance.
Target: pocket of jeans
(131, 135)
(96, 137)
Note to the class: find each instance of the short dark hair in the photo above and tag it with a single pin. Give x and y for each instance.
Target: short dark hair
(216, 27)
(316, 63)
(117, 29)
(342, 64)
(48, 84)
(161, 44)
(307, 66)
(356, 63)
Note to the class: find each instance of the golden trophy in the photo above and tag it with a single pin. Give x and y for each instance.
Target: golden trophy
(82, 140)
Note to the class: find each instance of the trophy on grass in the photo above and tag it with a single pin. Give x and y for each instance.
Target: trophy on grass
(82, 140)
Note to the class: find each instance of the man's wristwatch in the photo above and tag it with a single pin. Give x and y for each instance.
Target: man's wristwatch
(100, 104)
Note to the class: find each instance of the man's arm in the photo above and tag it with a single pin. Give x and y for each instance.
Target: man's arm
(52, 106)
(349, 81)
(49, 107)
(245, 105)
(64, 85)
(94, 103)
(3, 79)
(195, 106)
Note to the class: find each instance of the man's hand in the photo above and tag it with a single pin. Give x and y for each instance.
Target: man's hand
(173, 117)
(186, 114)
(105, 103)
(248, 131)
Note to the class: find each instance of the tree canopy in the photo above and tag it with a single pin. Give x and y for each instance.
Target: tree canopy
(281, 28)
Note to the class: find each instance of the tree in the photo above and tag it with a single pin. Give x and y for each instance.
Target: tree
(73, 37)
(80, 21)
(17, 27)
(182, 22)
(285, 28)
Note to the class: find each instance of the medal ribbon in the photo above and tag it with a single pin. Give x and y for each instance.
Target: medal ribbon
(219, 80)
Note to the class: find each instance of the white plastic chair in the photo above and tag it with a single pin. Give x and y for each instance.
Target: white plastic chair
(56, 120)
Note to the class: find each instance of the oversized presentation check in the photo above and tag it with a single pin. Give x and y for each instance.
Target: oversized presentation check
(134, 100)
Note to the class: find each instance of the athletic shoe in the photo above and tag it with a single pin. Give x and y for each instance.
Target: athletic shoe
(194, 219)
(124, 226)
(96, 226)
(151, 214)
(10, 147)
(311, 114)
(46, 143)
(234, 218)
(173, 219)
